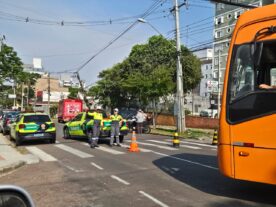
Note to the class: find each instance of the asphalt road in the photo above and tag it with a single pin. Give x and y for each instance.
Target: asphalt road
(72, 174)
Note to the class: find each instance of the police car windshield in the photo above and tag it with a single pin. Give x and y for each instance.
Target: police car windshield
(36, 118)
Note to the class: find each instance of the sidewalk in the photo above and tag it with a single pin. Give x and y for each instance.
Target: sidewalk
(204, 135)
(10, 158)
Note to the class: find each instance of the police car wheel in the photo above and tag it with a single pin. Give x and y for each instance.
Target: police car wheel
(121, 138)
(66, 133)
(53, 140)
(18, 141)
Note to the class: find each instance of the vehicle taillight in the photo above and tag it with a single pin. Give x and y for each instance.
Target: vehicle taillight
(21, 126)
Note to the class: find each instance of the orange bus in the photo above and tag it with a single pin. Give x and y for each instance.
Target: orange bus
(247, 133)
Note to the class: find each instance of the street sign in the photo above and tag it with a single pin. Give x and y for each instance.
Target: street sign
(12, 96)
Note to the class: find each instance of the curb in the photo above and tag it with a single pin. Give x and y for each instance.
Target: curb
(12, 167)
(184, 138)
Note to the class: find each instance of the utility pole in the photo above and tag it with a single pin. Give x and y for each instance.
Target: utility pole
(218, 82)
(28, 91)
(22, 96)
(181, 126)
(1, 41)
(83, 91)
(14, 85)
(49, 92)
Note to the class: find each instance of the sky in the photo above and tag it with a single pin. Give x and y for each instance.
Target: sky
(67, 47)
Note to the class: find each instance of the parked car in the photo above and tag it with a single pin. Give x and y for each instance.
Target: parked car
(2, 114)
(82, 126)
(32, 126)
(204, 114)
(7, 119)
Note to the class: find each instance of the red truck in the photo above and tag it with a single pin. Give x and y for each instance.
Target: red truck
(68, 109)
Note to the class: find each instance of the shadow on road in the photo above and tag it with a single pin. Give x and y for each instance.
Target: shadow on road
(211, 181)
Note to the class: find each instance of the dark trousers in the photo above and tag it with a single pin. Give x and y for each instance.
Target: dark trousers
(96, 132)
(139, 128)
(115, 132)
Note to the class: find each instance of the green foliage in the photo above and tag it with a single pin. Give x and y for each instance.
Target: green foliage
(147, 74)
(73, 93)
(53, 110)
(11, 66)
(11, 70)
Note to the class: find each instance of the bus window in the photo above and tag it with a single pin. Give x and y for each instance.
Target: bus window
(242, 79)
(273, 76)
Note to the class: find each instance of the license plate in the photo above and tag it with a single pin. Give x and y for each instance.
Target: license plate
(39, 135)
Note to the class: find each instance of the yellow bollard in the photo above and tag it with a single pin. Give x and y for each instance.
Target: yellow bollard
(215, 137)
(176, 141)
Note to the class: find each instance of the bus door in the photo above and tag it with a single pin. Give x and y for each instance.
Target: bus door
(251, 111)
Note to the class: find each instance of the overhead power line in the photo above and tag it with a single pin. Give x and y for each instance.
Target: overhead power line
(145, 14)
(123, 20)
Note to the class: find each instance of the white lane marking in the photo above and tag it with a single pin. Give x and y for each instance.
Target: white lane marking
(119, 179)
(155, 145)
(74, 151)
(71, 168)
(153, 199)
(96, 166)
(184, 160)
(41, 154)
(141, 149)
(181, 145)
(105, 149)
(195, 143)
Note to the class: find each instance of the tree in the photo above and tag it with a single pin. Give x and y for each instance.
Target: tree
(73, 93)
(10, 64)
(147, 75)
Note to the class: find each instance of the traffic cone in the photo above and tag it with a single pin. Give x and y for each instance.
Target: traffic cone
(215, 137)
(176, 141)
(133, 145)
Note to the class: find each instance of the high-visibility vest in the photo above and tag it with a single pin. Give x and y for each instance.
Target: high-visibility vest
(116, 117)
(97, 116)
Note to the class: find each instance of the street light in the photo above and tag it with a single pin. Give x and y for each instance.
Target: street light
(141, 20)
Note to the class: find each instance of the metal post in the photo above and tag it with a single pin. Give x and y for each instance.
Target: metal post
(14, 85)
(218, 82)
(28, 92)
(22, 96)
(180, 95)
(49, 93)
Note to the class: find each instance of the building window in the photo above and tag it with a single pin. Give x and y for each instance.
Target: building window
(216, 61)
(218, 47)
(229, 16)
(206, 76)
(210, 76)
(229, 30)
(219, 34)
(227, 44)
(238, 13)
(206, 67)
(219, 20)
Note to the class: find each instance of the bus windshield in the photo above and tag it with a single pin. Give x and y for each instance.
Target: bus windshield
(246, 99)
(242, 73)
